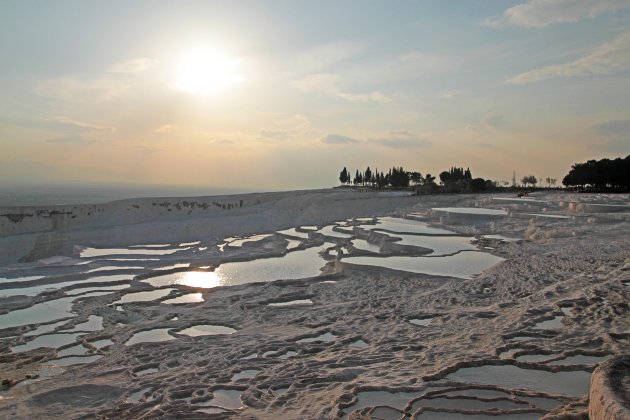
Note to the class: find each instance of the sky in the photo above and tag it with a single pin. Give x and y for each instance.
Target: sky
(273, 95)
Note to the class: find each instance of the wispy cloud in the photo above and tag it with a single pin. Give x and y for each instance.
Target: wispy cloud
(60, 124)
(401, 140)
(452, 93)
(297, 127)
(165, 128)
(82, 125)
(324, 56)
(605, 59)
(71, 139)
(133, 65)
(615, 134)
(494, 120)
(326, 83)
(541, 13)
(74, 90)
(339, 139)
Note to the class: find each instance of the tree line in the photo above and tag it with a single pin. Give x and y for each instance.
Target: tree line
(455, 179)
(600, 175)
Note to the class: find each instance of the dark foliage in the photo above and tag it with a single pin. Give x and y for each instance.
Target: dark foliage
(600, 175)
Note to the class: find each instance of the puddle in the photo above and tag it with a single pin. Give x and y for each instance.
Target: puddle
(202, 279)
(210, 410)
(143, 296)
(50, 340)
(358, 344)
(326, 337)
(20, 279)
(464, 265)
(364, 245)
(501, 238)
(173, 266)
(203, 329)
(287, 355)
(150, 336)
(471, 211)
(35, 290)
(395, 224)
(188, 298)
(251, 356)
(293, 232)
(535, 358)
(94, 323)
(245, 374)
(374, 398)
(444, 245)
(45, 328)
(114, 267)
(438, 415)
(570, 383)
(43, 312)
(74, 360)
(294, 265)
(150, 246)
(226, 398)
(99, 344)
(292, 302)
(519, 200)
(254, 238)
(549, 216)
(505, 403)
(78, 350)
(190, 243)
(103, 252)
(75, 292)
(551, 324)
(146, 371)
(292, 243)
(143, 394)
(328, 231)
(423, 322)
(579, 359)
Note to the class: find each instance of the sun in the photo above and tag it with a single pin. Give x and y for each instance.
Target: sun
(203, 72)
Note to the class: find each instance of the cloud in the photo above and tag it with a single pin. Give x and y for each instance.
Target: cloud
(71, 139)
(323, 56)
(165, 128)
(541, 13)
(59, 124)
(320, 82)
(326, 83)
(294, 127)
(493, 121)
(82, 125)
(133, 65)
(366, 97)
(401, 140)
(73, 90)
(338, 139)
(616, 135)
(605, 59)
(452, 93)
(613, 128)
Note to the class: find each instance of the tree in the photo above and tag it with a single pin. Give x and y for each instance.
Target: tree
(600, 175)
(368, 175)
(445, 176)
(529, 179)
(344, 176)
(429, 179)
(415, 177)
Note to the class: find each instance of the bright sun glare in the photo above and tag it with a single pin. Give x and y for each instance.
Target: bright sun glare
(207, 73)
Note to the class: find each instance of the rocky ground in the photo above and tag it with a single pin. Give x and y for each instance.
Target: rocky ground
(517, 341)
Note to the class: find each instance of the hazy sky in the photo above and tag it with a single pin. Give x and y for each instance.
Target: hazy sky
(283, 94)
